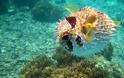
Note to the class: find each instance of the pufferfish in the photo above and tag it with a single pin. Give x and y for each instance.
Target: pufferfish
(86, 25)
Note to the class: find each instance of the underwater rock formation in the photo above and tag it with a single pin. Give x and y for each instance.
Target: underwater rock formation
(108, 52)
(8, 6)
(4, 5)
(114, 70)
(22, 3)
(95, 67)
(60, 1)
(46, 12)
(122, 1)
(63, 57)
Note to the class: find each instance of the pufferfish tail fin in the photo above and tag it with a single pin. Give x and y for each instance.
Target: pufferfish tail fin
(117, 22)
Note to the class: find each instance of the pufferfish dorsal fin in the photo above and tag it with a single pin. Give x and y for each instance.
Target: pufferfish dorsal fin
(72, 8)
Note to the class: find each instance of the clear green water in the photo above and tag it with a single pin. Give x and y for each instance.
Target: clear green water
(22, 38)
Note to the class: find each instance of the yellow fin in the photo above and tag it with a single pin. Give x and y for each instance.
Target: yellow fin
(90, 32)
(89, 35)
(117, 22)
(72, 8)
(88, 38)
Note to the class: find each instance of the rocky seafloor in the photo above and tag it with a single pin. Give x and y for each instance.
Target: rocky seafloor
(22, 38)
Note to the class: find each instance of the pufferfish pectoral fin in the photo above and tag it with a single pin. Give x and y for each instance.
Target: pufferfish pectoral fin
(90, 32)
(88, 37)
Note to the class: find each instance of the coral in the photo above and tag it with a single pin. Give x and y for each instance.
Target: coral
(94, 67)
(113, 69)
(35, 67)
(83, 69)
(46, 12)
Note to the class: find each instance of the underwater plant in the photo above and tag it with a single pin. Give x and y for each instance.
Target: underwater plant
(46, 12)
(83, 26)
